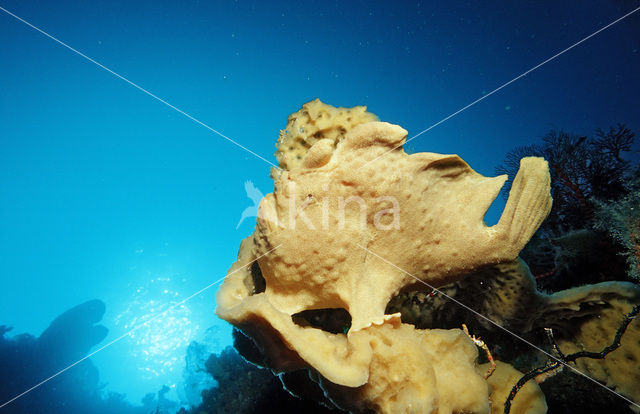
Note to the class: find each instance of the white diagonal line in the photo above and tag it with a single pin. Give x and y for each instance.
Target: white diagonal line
(164, 313)
(504, 85)
(496, 324)
(137, 86)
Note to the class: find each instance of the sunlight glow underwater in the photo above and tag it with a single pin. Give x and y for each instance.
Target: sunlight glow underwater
(156, 351)
(160, 344)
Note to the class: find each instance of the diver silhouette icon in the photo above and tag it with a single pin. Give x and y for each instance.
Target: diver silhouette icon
(255, 195)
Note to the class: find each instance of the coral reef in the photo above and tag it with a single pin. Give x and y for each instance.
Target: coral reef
(26, 360)
(243, 388)
(582, 169)
(621, 220)
(595, 186)
(195, 378)
(561, 360)
(591, 236)
(620, 370)
(79, 323)
(334, 234)
(583, 319)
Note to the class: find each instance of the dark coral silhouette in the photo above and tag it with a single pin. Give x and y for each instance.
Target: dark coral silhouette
(244, 388)
(25, 361)
(590, 176)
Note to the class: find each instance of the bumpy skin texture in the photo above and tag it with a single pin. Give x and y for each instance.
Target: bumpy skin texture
(355, 222)
(327, 250)
(313, 122)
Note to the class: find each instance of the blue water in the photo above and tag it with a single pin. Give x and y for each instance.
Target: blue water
(108, 193)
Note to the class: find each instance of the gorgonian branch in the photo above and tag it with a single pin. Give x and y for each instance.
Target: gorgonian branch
(555, 366)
